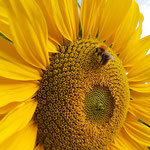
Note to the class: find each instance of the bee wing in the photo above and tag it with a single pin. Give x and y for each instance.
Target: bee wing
(109, 55)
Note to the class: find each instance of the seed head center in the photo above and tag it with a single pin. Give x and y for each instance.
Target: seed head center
(83, 97)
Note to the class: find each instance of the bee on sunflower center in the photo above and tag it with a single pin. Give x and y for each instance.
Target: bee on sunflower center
(103, 55)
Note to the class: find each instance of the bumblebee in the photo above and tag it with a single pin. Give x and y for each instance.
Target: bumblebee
(103, 55)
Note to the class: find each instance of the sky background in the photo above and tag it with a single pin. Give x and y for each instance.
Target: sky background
(145, 10)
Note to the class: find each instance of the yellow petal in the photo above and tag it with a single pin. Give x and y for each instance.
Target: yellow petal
(124, 142)
(22, 140)
(127, 28)
(141, 109)
(91, 12)
(16, 91)
(13, 66)
(62, 19)
(137, 131)
(17, 71)
(16, 119)
(54, 34)
(132, 49)
(2, 116)
(140, 72)
(52, 48)
(111, 147)
(139, 50)
(4, 25)
(140, 87)
(39, 147)
(118, 143)
(113, 14)
(139, 95)
(29, 31)
(5, 109)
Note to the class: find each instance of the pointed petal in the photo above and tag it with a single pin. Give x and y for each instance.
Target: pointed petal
(62, 19)
(140, 72)
(16, 91)
(30, 35)
(39, 147)
(124, 142)
(7, 108)
(113, 14)
(137, 131)
(139, 87)
(17, 71)
(131, 50)
(118, 143)
(22, 140)
(52, 48)
(53, 32)
(4, 23)
(140, 109)
(138, 96)
(127, 28)
(16, 120)
(112, 147)
(91, 12)
(13, 66)
(139, 50)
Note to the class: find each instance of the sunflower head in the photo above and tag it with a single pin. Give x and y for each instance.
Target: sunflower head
(82, 101)
(70, 82)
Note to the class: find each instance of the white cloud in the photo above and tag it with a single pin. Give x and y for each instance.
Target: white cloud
(145, 9)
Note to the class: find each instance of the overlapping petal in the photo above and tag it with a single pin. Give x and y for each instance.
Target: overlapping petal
(15, 91)
(137, 131)
(22, 60)
(12, 66)
(62, 19)
(141, 71)
(4, 24)
(5, 109)
(91, 12)
(126, 28)
(102, 17)
(29, 31)
(112, 16)
(140, 87)
(140, 109)
(52, 47)
(125, 142)
(16, 119)
(22, 140)
(130, 49)
(136, 50)
(39, 147)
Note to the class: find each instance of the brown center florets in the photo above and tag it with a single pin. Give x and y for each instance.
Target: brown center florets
(82, 101)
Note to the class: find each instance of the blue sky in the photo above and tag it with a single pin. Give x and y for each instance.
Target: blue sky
(79, 1)
(145, 10)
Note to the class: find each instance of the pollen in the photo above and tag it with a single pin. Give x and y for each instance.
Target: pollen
(82, 100)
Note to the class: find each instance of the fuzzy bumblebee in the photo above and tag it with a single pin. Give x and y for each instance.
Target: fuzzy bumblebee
(103, 55)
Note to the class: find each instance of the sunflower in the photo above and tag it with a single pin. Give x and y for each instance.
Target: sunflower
(73, 78)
